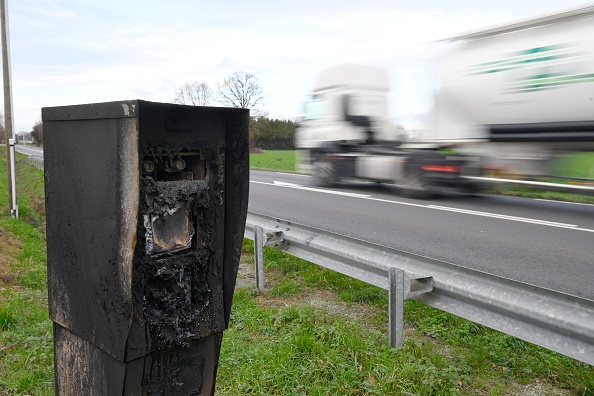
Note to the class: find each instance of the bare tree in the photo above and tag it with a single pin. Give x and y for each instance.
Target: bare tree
(241, 89)
(194, 94)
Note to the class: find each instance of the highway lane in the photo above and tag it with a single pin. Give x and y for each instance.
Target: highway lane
(544, 243)
(29, 150)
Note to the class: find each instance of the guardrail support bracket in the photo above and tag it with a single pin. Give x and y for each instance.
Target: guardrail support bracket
(263, 238)
(402, 287)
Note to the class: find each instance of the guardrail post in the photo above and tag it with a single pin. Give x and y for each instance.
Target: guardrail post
(259, 241)
(396, 307)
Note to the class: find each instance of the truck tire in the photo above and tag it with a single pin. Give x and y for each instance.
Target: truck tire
(413, 183)
(324, 174)
(414, 186)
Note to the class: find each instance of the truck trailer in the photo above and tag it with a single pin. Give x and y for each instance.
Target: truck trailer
(520, 93)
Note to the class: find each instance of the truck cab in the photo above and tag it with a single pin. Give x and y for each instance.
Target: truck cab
(347, 108)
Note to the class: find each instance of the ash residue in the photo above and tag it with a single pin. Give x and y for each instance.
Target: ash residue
(180, 291)
(177, 297)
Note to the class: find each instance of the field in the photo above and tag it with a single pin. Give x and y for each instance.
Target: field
(313, 332)
(276, 160)
(576, 165)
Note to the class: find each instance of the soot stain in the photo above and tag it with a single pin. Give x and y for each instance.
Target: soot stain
(174, 288)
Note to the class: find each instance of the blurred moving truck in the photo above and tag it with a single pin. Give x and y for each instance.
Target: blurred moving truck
(346, 133)
(508, 98)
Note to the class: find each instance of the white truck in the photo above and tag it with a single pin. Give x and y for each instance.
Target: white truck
(507, 97)
(346, 133)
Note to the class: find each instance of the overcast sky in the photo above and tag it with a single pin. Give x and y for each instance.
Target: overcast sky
(67, 52)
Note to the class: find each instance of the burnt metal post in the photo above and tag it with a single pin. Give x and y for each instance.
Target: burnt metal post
(146, 206)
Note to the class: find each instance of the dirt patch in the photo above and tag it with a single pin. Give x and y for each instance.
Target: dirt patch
(320, 298)
(538, 389)
(10, 248)
(246, 275)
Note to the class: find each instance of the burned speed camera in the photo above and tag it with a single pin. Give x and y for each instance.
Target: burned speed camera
(146, 205)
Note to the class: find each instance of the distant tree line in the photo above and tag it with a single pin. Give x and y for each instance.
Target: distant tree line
(272, 134)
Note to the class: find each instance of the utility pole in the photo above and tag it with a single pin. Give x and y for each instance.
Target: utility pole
(10, 165)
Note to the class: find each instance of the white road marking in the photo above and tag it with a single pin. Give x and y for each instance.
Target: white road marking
(434, 207)
(291, 174)
(565, 202)
(505, 217)
(299, 187)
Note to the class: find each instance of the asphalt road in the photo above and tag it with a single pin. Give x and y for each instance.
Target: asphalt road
(544, 243)
(29, 150)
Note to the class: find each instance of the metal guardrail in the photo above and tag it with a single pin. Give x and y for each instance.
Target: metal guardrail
(559, 322)
(35, 161)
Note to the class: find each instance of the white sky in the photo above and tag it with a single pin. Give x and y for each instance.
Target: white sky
(66, 52)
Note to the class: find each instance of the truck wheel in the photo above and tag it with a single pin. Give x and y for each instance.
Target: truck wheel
(324, 174)
(415, 187)
(413, 183)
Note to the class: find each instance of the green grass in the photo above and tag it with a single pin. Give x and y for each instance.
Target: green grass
(575, 165)
(277, 160)
(282, 344)
(26, 344)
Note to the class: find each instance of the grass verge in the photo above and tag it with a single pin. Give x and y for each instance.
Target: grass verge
(26, 346)
(317, 332)
(274, 160)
